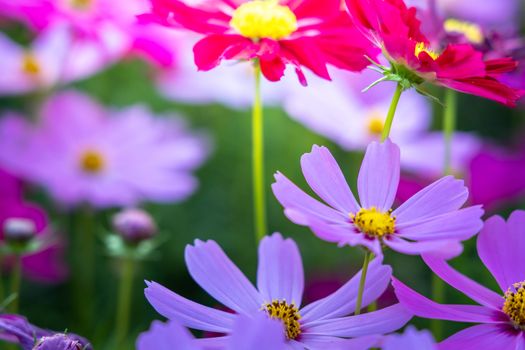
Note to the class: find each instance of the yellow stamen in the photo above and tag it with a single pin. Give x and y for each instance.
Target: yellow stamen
(80, 4)
(374, 223)
(259, 19)
(288, 314)
(421, 47)
(471, 31)
(375, 123)
(92, 162)
(30, 64)
(514, 305)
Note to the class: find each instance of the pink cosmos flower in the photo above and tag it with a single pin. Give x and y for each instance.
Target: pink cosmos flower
(300, 33)
(429, 221)
(323, 324)
(44, 265)
(82, 153)
(501, 314)
(55, 57)
(254, 333)
(394, 28)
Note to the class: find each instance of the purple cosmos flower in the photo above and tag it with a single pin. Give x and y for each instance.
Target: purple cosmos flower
(16, 329)
(44, 265)
(255, 333)
(55, 57)
(82, 153)
(500, 246)
(280, 282)
(338, 109)
(429, 221)
(411, 339)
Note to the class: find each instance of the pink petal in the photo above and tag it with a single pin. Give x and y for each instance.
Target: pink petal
(484, 336)
(210, 50)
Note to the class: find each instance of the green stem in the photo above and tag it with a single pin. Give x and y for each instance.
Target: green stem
(366, 261)
(124, 302)
(391, 112)
(259, 199)
(449, 126)
(16, 279)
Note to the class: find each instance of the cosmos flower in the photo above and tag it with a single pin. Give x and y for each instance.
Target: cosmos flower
(429, 221)
(411, 339)
(45, 264)
(303, 33)
(280, 282)
(82, 153)
(55, 57)
(395, 28)
(16, 329)
(340, 111)
(500, 315)
(254, 333)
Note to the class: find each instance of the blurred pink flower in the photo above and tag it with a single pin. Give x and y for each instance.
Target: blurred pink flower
(82, 153)
(55, 57)
(45, 265)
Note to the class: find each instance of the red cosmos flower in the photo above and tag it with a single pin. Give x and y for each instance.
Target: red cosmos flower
(393, 27)
(309, 33)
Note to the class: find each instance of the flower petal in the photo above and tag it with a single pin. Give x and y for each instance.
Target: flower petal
(218, 275)
(458, 225)
(164, 336)
(446, 249)
(501, 245)
(280, 274)
(379, 175)
(483, 336)
(327, 180)
(342, 302)
(190, 314)
(423, 307)
(382, 321)
(322, 342)
(304, 206)
(472, 289)
(442, 196)
(210, 50)
(257, 332)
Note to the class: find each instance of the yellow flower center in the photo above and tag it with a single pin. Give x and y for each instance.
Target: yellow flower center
(514, 305)
(92, 162)
(80, 4)
(30, 64)
(374, 223)
(288, 314)
(421, 47)
(471, 31)
(259, 19)
(375, 124)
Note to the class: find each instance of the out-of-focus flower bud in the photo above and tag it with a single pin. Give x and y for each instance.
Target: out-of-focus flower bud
(134, 225)
(58, 342)
(19, 230)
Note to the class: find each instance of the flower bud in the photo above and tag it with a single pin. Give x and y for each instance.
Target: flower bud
(58, 342)
(19, 230)
(134, 225)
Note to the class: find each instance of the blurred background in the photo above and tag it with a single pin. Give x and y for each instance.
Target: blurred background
(100, 65)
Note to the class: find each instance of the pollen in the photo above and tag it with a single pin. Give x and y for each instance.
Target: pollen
(288, 314)
(92, 162)
(375, 124)
(80, 4)
(260, 19)
(30, 64)
(471, 31)
(514, 305)
(374, 223)
(421, 47)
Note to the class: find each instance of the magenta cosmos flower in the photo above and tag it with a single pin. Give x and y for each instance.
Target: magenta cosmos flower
(82, 153)
(254, 333)
(429, 221)
(45, 264)
(280, 282)
(301, 33)
(502, 315)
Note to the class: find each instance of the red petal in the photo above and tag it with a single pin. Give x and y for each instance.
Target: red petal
(460, 62)
(314, 8)
(488, 88)
(500, 66)
(212, 49)
(306, 53)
